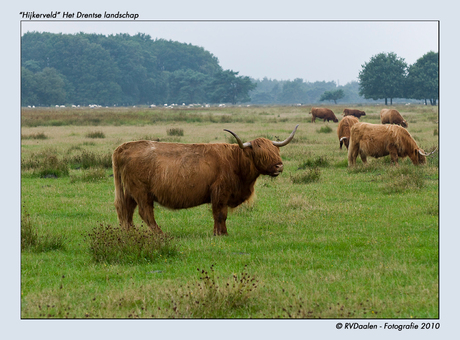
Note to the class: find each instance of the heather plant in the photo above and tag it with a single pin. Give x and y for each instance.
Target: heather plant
(213, 297)
(134, 245)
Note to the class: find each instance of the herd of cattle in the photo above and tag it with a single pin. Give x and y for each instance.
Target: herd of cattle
(180, 176)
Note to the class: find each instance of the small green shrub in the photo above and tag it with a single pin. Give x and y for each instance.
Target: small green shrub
(311, 175)
(134, 245)
(175, 132)
(95, 134)
(324, 129)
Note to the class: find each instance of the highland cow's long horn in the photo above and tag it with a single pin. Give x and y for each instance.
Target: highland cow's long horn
(341, 139)
(240, 143)
(287, 140)
(427, 154)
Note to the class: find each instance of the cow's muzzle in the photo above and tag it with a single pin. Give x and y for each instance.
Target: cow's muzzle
(277, 170)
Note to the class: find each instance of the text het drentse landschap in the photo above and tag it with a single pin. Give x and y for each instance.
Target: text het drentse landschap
(78, 15)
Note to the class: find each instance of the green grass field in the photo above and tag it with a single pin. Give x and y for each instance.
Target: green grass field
(319, 241)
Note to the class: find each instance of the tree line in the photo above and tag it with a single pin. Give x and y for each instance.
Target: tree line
(387, 76)
(123, 70)
(127, 70)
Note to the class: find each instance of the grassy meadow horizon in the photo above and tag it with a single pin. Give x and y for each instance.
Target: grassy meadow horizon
(321, 240)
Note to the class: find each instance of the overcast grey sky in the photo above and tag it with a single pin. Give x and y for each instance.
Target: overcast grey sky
(311, 50)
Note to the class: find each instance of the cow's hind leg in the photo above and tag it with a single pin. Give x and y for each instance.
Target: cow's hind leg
(352, 154)
(146, 212)
(363, 157)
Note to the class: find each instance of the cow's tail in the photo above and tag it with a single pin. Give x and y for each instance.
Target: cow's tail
(119, 190)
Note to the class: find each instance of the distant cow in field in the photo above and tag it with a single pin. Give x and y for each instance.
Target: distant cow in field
(391, 116)
(180, 176)
(343, 130)
(322, 113)
(353, 112)
(377, 140)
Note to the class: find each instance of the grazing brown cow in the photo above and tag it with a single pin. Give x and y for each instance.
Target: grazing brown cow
(180, 176)
(322, 113)
(377, 140)
(391, 116)
(353, 112)
(343, 130)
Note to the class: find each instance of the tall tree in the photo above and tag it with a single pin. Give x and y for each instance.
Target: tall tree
(28, 87)
(423, 78)
(50, 87)
(187, 86)
(383, 77)
(293, 92)
(332, 95)
(228, 87)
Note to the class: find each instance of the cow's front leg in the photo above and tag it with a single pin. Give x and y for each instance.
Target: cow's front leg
(219, 212)
(393, 154)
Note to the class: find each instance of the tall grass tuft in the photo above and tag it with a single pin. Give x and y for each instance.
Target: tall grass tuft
(46, 164)
(88, 159)
(398, 179)
(52, 166)
(210, 298)
(308, 176)
(319, 161)
(39, 135)
(175, 132)
(129, 246)
(32, 240)
(95, 134)
(325, 129)
(29, 234)
(90, 175)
